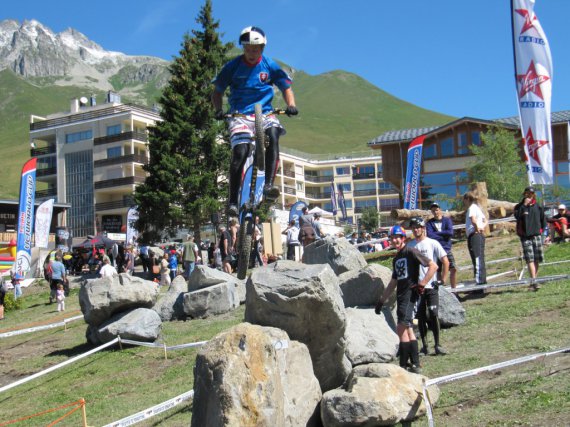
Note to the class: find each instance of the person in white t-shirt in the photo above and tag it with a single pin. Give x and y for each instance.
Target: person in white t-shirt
(107, 270)
(428, 303)
(475, 223)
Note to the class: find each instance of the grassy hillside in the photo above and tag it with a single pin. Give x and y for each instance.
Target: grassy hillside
(339, 112)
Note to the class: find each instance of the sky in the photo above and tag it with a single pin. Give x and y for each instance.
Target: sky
(451, 56)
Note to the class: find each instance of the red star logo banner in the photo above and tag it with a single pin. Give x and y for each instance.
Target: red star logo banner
(532, 145)
(530, 81)
(528, 20)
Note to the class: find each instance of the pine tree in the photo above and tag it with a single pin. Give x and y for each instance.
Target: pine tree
(182, 188)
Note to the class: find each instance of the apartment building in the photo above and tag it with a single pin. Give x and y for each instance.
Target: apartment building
(311, 178)
(92, 158)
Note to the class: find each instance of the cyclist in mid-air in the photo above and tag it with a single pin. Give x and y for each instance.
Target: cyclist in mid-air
(251, 77)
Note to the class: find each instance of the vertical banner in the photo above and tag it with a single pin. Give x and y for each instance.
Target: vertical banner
(342, 202)
(413, 170)
(25, 219)
(43, 223)
(333, 199)
(533, 73)
(132, 233)
(296, 212)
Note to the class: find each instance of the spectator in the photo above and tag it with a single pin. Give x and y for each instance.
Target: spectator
(107, 270)
(130, 261)
(319, 233)
(143, 255)
(3, 290)
(257, 243)
(233, 230)
(173, 264)
(189, 256)
(57, 276)
(440, 228)
(406, 272)
(475, 223)
(211, 256)
(164, 270)
(306, 230)
(353, 238)
(530, 223)
(225, 249)
(292, 233)
(428, 306)
(560, 229)
(60, 297)
(16, 282)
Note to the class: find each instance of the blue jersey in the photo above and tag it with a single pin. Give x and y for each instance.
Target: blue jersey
(251, 84)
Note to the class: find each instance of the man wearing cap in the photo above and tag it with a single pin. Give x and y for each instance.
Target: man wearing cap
(428, 306)
(530, 223)
(560, 225)
(189, 255)
(406, 277)
(440, 228)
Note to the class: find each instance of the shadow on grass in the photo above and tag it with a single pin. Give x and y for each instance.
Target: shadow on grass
(73, 351)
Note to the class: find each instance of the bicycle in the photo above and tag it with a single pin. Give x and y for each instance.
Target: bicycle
(251, 190)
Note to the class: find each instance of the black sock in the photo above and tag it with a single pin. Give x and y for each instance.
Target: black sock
(414, 353)
(404, 354)
(435, 329)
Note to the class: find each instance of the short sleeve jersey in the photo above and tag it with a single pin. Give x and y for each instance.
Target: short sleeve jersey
(431, 249)
(474, 210)
(251, 84)
(406, 268)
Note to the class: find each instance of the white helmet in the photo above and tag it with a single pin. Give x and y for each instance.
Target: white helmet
(252, 35)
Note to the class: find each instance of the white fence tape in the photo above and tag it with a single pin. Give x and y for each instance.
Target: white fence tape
(158, 345)
(59, 365)
(40, 328)
(472, 372)
(543, 279)
(152, 411)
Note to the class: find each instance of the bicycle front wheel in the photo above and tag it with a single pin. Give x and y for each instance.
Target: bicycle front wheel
(244, 246)
(259, 138)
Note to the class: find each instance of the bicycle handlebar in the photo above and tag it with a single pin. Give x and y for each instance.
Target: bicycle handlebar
(277, 111)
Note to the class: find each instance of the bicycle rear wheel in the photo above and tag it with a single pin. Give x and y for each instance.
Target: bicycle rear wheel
(244, 246)
(259, 138)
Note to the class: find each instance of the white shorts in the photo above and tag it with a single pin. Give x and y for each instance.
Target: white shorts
(242, 129)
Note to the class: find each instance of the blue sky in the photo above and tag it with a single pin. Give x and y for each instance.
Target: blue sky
(451, 56)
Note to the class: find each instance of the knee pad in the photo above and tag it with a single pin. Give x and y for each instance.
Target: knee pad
(432, 311)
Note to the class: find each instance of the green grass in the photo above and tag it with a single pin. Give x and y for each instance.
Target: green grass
(116, 383)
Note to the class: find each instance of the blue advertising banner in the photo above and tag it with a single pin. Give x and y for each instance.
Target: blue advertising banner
(341, 202)
(25, 219)
(413, 170)
(333, 199)
(296, 212)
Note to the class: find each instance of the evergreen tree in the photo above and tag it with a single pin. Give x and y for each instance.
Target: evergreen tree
(369, 219)
(186, 157)
(498, 163)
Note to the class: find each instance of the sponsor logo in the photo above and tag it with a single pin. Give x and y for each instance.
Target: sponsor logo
(530, 39)
(530, 104)
(533, 145)
(263, 77)
(530, 82)
(528, 20)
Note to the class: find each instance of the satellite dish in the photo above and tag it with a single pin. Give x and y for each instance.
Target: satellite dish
(83, 100)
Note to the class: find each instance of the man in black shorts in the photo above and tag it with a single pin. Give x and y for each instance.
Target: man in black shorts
(406, 272)
(225, 249)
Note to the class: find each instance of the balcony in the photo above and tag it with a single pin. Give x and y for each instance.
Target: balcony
(314, 195)
(117, 204)
(129, 158)
(384, 191)
(35, 152)
(51, 192)
(46, 172)
(360, 209)
(368, 175)
(123, 136)
(289, 173)
(289, 190)
(119, 182)
(313, 178)
(360, 193)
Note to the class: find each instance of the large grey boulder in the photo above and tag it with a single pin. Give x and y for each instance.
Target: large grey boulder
(303, 300)
(364, 287)
(336, 252)
(213, 300)
(170, 305)
(204, 276)
(378, 394)
(102, 298)
(255, 376)
(141, 324)
(369, 338)
(451, 311)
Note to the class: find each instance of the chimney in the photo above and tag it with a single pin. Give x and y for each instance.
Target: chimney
(74, 106)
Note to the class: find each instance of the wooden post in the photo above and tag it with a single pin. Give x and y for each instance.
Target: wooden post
(480, 190)
(83, 412)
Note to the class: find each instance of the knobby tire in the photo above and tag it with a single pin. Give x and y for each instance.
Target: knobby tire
(244, 246)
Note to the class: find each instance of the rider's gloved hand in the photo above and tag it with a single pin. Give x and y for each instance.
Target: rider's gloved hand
(378, 308)
(219, 115)
(291, 111)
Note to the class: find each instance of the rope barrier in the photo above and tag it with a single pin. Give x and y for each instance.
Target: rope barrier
(472, 372)
(152, 411)
(40, 328)
(544, 279)
(80, 404)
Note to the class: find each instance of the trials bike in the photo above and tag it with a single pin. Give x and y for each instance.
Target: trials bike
(251, 191)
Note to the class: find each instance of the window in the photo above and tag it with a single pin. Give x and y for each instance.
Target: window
(114, 152)
(366, 186)
(430, 151)
(462, 148)
(344, 170)
(365, 203)
(446, 147)
(345, 188)
(476, 138)
(113, 130)
(365, 169)
(79, 192)
(300, 186)
(70, 138)
(389, 204)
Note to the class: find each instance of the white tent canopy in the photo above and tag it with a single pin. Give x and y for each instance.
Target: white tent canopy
(320, 211)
